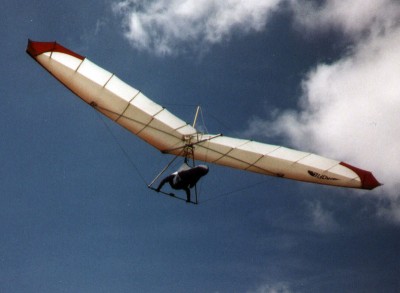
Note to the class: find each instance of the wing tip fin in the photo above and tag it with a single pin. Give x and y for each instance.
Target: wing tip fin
(368, 180)
(36, 48)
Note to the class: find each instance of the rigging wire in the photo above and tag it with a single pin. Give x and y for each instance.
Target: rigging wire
(228, 193)
(163, 170)
(203, 120)
(124, 152)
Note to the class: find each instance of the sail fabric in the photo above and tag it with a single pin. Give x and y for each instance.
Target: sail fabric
(282, 162)
(133, 110)
(111, 96)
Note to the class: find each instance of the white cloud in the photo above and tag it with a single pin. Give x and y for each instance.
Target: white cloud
(322, 219)
(350, 109)
(280, 287)
(356, 17)
(391, 210)
(168, 26)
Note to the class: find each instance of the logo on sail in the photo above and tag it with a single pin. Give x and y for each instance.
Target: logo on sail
(321, 176)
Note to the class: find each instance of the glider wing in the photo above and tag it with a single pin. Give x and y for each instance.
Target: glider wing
(111, 96)
(281, 161)
(131, 109)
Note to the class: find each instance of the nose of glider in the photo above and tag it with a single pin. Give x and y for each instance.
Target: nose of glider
(368, 180)
(36, 48)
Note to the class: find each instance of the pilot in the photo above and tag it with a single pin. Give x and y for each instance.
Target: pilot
(184, 179)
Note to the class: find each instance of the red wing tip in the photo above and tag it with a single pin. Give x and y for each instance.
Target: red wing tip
(368, 181)
(36, 48)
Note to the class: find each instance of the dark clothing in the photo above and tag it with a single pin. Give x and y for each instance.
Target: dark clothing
(185, 179)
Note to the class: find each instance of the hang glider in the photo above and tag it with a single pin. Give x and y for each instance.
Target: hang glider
(156, 125)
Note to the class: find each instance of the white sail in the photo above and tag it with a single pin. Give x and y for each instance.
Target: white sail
(133, 110)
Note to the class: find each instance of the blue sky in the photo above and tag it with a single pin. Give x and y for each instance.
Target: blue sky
(75, 213)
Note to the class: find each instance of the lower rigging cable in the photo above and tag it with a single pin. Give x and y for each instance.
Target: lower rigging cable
(124, 152)
(172, 195)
